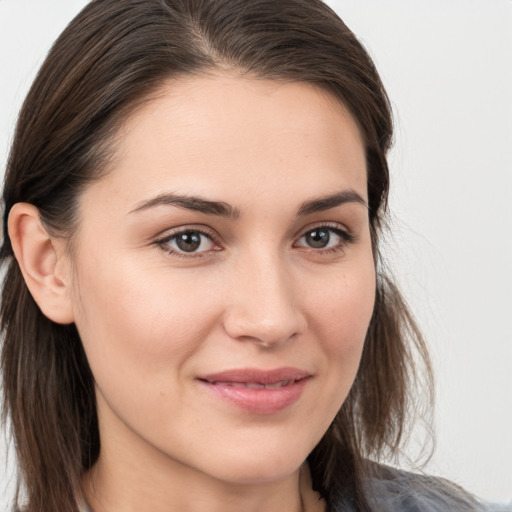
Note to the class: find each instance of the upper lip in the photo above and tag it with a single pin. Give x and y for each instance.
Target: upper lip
(255, 375)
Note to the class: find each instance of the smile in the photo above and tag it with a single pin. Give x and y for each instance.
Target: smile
(254, 385)
(257, 391)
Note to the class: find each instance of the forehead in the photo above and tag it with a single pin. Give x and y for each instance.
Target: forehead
(226, 135)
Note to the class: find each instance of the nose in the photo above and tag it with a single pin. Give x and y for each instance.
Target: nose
(263, 305)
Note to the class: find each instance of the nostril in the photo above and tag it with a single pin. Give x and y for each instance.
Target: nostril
(264, 334)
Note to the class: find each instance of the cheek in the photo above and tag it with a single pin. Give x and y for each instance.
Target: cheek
(139, 331)
(339, 314)
(341, 318)
(135, 321)
(344, 307)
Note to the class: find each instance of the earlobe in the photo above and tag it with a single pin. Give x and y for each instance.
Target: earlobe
(39, 258)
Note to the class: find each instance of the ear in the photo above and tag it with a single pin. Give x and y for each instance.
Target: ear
(42, 261)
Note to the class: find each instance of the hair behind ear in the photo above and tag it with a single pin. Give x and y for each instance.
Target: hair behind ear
(49, 397)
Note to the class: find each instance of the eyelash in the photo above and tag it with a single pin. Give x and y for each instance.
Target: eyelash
(163, 243)
(345, 236)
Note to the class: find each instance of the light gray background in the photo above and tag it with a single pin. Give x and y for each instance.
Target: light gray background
(447, 66)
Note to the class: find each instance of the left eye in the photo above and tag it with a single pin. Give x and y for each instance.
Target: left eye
(189, 241)
(322, 237)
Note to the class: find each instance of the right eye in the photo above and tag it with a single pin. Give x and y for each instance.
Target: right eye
(188, 241)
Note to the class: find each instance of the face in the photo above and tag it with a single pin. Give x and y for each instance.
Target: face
(223, 277)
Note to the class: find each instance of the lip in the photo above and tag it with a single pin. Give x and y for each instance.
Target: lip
(257, 391)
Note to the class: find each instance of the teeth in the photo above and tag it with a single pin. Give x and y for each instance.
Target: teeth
(254, 385)
(231, 384)
(277, 385)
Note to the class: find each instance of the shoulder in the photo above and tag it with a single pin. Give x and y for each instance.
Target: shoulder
(411, 492)
(392, 490)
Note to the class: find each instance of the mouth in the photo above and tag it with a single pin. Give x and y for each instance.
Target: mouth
(253, 385)
(257, 391)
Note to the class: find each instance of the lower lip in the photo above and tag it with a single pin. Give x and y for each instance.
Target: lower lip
(258, 401)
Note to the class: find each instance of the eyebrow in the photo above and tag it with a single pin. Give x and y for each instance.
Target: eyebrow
(194, 203)
(224, 209)
(331, 201)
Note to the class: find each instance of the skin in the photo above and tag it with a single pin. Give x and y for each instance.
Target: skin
(255, 294)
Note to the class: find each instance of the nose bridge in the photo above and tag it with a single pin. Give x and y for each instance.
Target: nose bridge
(264, 307)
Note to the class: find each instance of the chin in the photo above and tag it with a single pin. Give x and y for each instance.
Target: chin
(257, 466)
(261, 473)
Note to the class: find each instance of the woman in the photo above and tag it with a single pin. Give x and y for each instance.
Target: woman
(195, 313)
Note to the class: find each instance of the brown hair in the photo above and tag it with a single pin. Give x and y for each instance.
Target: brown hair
(110, 58)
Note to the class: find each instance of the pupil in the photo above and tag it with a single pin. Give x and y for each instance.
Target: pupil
(189, 241)
(318, 238)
